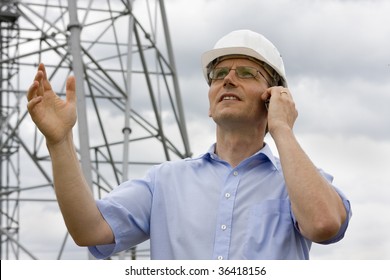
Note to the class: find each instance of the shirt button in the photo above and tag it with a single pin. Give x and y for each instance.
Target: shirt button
(223, 227)
(220, 258)
(227, 195)
(235, 173)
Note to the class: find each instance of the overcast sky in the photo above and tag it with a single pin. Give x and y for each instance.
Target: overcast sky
(337, 60)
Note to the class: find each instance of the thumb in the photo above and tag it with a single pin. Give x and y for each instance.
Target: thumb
(71, 89)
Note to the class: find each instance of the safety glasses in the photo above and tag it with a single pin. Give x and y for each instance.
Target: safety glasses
(243, 72)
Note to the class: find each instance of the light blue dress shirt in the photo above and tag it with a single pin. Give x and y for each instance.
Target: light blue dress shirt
(202, 208)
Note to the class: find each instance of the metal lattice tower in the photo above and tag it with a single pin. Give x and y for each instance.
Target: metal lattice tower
(129, 108)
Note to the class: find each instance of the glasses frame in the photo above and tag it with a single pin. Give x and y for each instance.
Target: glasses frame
(212, 78)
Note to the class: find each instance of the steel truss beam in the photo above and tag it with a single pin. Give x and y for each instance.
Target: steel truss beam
(131, 116)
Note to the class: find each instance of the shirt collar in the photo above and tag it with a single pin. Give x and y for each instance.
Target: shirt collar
(265, 151)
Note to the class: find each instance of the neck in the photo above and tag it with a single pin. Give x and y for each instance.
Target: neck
(234, 146)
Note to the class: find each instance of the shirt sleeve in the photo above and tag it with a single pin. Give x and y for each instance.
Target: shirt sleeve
(127, 210)
(344, 226)
(347, 205)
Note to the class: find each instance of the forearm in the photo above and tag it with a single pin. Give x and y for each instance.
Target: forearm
(82, 217)
(316, 205)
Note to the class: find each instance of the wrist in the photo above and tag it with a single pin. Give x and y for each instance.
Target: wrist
(63, 144)
(281, 131)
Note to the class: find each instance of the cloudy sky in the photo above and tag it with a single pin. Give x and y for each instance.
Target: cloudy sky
(337, 60)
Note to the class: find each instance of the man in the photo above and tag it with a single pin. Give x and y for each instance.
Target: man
(237, 201)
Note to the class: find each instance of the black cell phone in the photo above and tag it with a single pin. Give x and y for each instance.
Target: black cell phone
(266, 104)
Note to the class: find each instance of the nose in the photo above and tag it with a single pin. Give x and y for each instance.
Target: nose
(230, 79)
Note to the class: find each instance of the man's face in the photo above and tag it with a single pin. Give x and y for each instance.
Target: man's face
(234, 100)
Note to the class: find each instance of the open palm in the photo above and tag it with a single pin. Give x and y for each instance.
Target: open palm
(53, 116)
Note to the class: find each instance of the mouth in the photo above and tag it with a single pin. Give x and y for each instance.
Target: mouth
(229, 97)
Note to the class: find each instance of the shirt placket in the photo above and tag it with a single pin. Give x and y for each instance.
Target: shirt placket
(223, 229)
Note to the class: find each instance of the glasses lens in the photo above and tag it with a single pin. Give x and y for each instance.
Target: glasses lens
(246, 72)
(219, 73)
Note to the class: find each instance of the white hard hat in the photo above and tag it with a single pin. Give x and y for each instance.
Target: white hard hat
(247, 43)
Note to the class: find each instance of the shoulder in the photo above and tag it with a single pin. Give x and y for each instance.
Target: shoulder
(185, 163)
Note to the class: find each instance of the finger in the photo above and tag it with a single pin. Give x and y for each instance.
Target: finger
(285, 92)
(33, 102)
(39, 79)
(38, 75)
(31, 93)
(41, 68)
(269, 92)
(71, 89)
(45, 82)
(37, 88)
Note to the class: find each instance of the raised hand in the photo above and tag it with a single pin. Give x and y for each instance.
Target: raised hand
(281, 108)
(53, 116)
